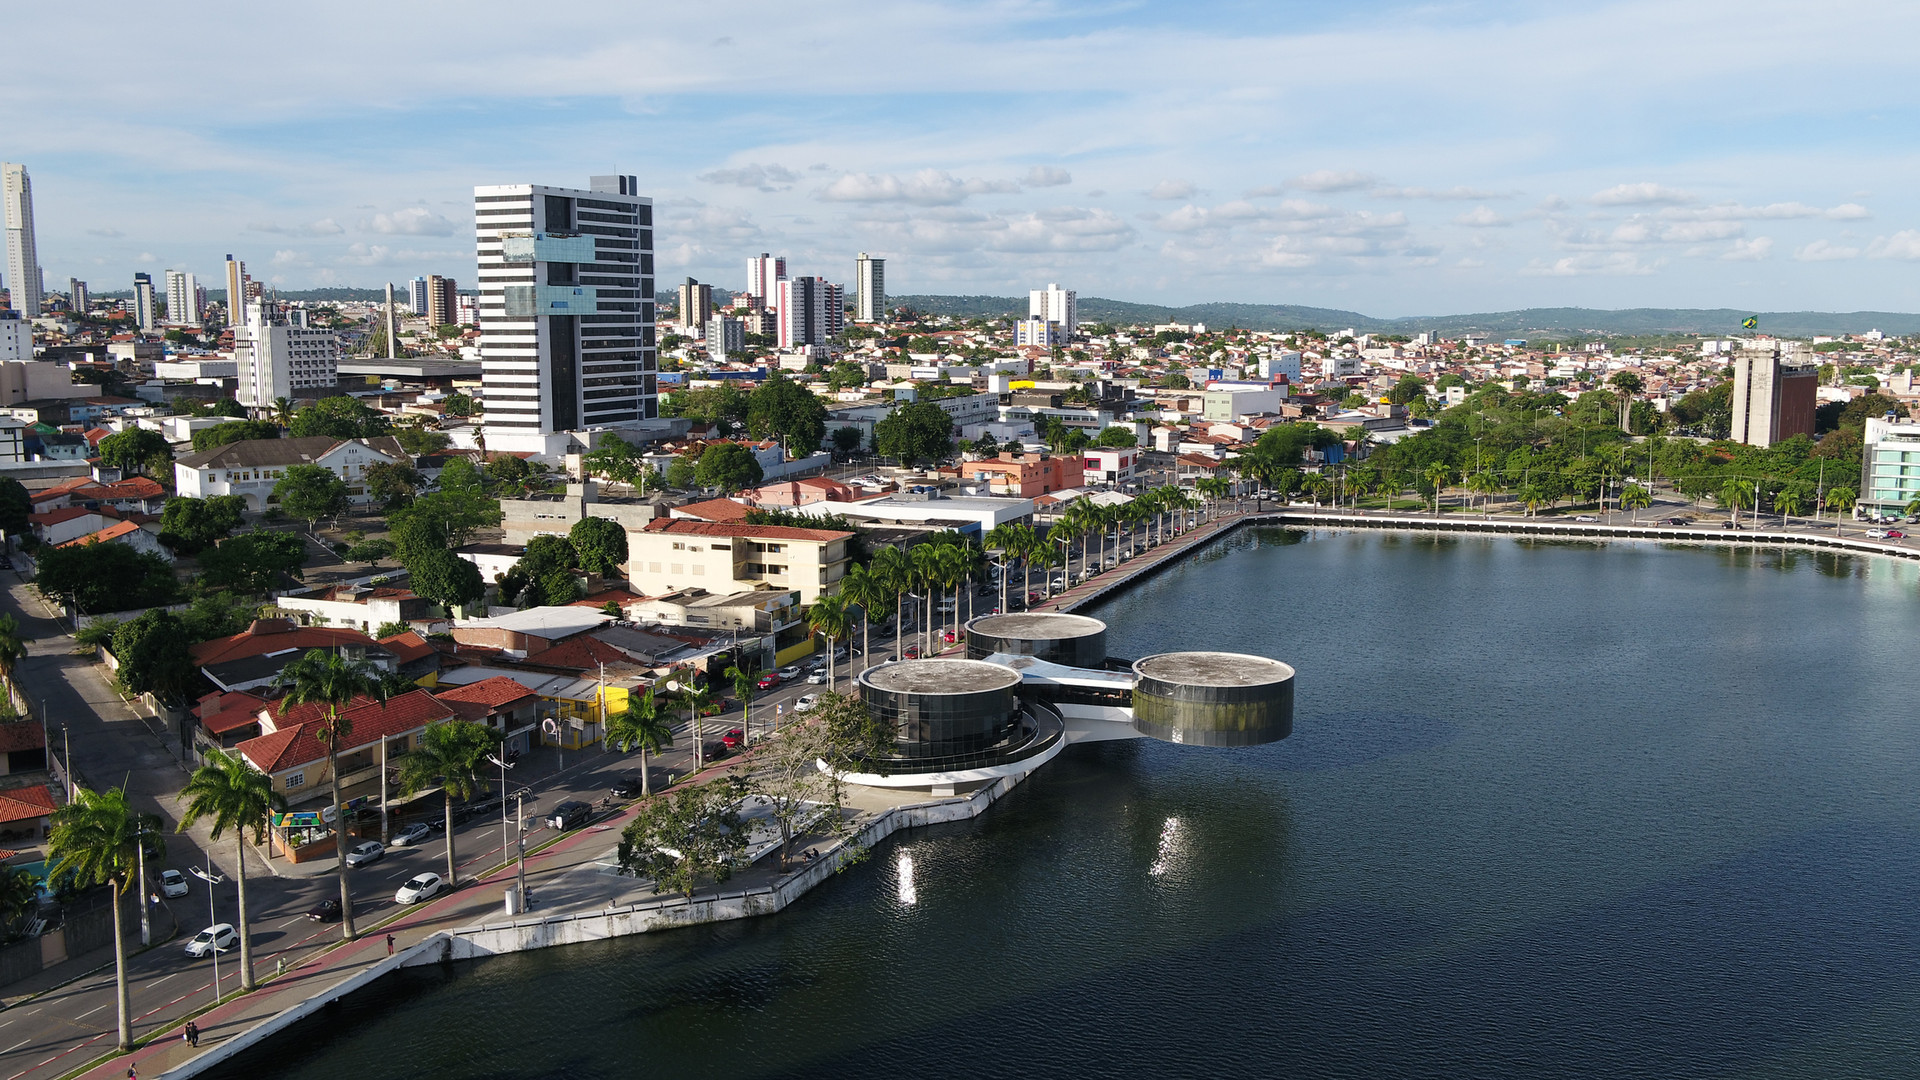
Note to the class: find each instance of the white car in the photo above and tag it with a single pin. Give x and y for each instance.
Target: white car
(418, 888)
(790, 672)
(173, 883)
(805, 702)
(216, 938)
(365, 852)
(1876, 534)
(817, 678)
(412, 834)
(1586, 517)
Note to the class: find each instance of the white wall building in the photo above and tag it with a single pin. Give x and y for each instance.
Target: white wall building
(143, 306)
(870, 281)
(250, 468)
(566, 309)
(183, 298)
(1038, 332)
(275, 357)
(16, 336)
(1055, 305)
(23, 256)
(1280, 363)
(764, 274)
(811, 311)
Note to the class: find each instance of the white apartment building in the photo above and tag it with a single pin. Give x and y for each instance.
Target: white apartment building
(870, 281)
(143, 306)
(566, 309)
(417, 296)
(1055, 305)
(1889, 466)
(236, 291)
(764, 274)
(250, 468)
(23, 256)
(1280, 363)
(276, 355)
(1038, 332)
(16, 337)
(183, 298)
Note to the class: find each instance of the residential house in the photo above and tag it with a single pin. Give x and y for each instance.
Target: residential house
(672, 554)
(26, 812)
(290, 751)
(130, 533)
(367, 607)
(255, 657)
(250, 468)
(1024, 477)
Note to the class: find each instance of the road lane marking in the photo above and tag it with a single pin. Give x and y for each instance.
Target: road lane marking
(162, 979)
(17, 1045)
(91, 1011)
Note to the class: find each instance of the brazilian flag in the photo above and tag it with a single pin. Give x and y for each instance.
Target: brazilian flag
(1750, 322)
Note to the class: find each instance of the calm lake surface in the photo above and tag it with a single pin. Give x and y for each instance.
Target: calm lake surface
(1550, 810)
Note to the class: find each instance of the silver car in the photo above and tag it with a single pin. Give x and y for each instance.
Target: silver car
(364, 852)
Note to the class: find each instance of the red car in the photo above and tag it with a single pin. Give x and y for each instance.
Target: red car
(734, 740)
(1896, 534)
(770, 680)
(949, 637)
(912, 653)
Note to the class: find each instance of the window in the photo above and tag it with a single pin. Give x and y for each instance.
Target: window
(296, 780)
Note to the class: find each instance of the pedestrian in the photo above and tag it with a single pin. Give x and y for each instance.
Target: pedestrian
(193, 1034)
(389, 944)
(133, 1072)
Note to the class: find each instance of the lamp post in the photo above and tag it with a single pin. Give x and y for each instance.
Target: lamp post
(520, 840)
(213, 919)
(504, 764)
(140, 857)
(997, 557)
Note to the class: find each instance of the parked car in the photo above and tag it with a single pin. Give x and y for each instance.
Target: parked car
(325, 911)
(734, 739)
(216, 938)
(627, 787)
(769, 680)
(173, 883)
(418, 887)
(1585, 517)
(569, 815)
(364, 852)
(415, 833)
(791, 671)
(1729, 524)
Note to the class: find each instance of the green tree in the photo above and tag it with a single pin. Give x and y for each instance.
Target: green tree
(12, 646)
(828, 618)
(237, 431)
(311, 492)
(153, 656)
(441, 576)
(394, 483)
(238, 798)
(19, 896)
(458, 405)
(640, 727)
(1118, 437)
(692, 833)
(682, 473)
(189, 526)
(619, 462)
(509, 471)
(600, 544)
(916, 431)
(846, 441)
(1736, 495)
(252, 562)
(421, 442)
(339, 418)
(371, 551)
(15, 505)
(448, 756)
(96, 840)
(728, 466)
(136, 450)
(1407, 389)
(443, 519)
(781, 407)
(331, 680)
(1636, 498)
(1841, 499)
(798, 793)
(725, 404)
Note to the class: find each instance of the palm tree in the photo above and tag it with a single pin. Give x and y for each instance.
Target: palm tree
(1533, 497)
(954, 567)
(745, 683)
(19, 895)
(1736, 495)
(863, 587)
(1841, 499)
(1437, 474)
(694, 696)
(926, 576)
(237, 796)
(326, 678)
(1789, 501)
(895, 573)
(283, 411)
(96, 840)
(448, 757)
(1636, 499)
(828, 618)
(1484, 484)
(12, 646)
(641, 725)
(1360, 484)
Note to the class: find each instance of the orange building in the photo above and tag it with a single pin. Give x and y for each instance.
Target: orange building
(1025, 477)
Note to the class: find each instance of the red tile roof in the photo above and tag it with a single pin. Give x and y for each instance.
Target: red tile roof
(493, 693)
(229, 712)
(101, 536)
(408, 647)
(25, 804)
(620, 596)
(369, 722)
(21, 735)
(579, 654)
(756, 532)
(716, 510)
(272, 636)
(68, 513)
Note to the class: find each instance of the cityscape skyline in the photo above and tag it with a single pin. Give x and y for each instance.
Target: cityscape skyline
(1630, 154)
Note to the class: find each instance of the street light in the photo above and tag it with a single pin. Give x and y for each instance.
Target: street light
(213, 919)
(504, 766)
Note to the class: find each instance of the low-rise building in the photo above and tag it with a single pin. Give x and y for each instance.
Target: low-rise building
(365, 607)
(760, 610)
(672, 554)
(1025, 477)
(250, 468)
(1111, 466)
(128, 533)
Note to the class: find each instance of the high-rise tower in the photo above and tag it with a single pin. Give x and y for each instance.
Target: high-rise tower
(236, 291)
(23, 259)
(764, 275)
(870, 282)
(143, 313)
(1058, 306)
(566, 307)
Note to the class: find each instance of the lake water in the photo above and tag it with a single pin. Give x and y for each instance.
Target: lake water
(1550, 810)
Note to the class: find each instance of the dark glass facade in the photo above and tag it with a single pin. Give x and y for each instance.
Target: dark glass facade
(952, 730)
(1072, 640)
(1212, 715)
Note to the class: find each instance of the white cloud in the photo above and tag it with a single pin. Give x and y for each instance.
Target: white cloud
(1330, 180)
(928, 187)
(1171, 189)
(291, 258)
(412, 221)
(323, 227)
(1641, 195)
(1694, 232)
(1452, 194)
(146, 257)
(1613, 264)
(1749, 250)
(1823, 251)
(1046, 176)
(1481, 217)
(1265, 192)
(1733, 211)
(760, 177)
(1901, 245)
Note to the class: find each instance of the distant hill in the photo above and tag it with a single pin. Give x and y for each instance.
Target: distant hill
(1705, 321)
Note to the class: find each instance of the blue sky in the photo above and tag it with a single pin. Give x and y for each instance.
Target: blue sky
(1395, 159)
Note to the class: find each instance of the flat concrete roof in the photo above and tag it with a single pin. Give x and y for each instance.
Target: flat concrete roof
(1213, 669)
(1036, 626)
(940, 676)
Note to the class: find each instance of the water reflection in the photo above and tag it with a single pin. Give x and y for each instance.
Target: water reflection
(903, 872)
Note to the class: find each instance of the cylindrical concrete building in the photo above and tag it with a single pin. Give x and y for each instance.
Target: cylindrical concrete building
(1058, 638)
(1213, 698)
(942, 709)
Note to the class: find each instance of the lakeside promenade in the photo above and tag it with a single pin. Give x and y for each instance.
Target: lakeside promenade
(580, 900)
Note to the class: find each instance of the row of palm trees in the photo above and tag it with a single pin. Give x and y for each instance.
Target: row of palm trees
(1158, 513)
